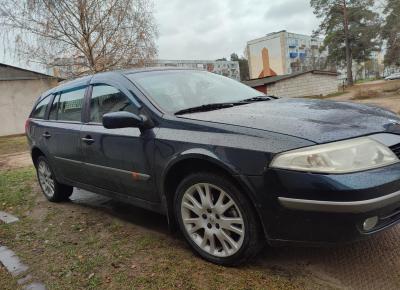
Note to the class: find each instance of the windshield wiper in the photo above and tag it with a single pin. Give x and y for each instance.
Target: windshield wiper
(216, 106)
(256, 99)
(207, 107)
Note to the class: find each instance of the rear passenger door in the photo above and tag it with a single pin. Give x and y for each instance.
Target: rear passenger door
(118, 160)
(37, 133)
(63, 134)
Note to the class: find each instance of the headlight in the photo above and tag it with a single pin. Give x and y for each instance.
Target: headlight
(338, 157)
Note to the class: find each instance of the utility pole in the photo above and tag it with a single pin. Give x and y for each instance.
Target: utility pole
(349, 58)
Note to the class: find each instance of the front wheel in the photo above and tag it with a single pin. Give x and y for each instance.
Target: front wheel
(52, 189)
(216, 219)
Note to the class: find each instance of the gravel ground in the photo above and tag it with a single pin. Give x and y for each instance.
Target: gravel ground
(388, 100)
(369, 264)
(15, 160)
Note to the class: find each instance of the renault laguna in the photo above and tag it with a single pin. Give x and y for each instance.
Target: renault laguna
(232, 168)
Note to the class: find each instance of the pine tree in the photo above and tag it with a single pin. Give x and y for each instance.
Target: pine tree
(391, 32)
(351, 30)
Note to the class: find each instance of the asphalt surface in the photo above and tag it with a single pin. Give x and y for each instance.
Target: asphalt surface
(369, 264)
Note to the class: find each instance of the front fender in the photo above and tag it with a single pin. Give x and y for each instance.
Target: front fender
(199, 154)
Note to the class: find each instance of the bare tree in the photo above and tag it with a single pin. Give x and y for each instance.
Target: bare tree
(87, 36)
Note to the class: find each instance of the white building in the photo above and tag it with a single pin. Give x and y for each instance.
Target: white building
(288, 53)
(71, 67)
(222, 67)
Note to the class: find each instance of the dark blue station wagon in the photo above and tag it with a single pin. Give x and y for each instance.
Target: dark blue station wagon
(229, 166)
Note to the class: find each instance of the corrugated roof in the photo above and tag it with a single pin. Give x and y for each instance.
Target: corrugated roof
(274, 79)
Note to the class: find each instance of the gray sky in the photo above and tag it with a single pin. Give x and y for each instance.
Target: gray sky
(211, 29)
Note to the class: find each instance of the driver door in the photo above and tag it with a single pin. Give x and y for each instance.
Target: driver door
(118, 160)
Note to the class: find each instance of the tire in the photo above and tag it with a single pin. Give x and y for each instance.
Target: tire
(51, 188)
(222, 229)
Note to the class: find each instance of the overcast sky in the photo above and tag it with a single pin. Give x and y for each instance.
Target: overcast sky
(211, 29)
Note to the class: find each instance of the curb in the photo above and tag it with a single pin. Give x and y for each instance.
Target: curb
(7, 218)
(13, 264)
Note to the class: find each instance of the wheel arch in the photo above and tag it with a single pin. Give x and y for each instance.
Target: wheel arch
(192, 162)
(35, 153)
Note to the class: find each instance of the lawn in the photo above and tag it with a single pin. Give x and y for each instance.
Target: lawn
(13, 144)
(75, 246)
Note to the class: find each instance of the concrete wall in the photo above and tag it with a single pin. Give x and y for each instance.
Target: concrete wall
(16, 101)
(304, 85)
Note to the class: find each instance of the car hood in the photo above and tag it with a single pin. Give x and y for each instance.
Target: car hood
(319, 121)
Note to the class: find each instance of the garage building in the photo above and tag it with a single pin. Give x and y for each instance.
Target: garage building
(19, 89)
(302, 84)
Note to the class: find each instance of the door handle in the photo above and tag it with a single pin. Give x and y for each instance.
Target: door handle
(88, 140)
(46, 135)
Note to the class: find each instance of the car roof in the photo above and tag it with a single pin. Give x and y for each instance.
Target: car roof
(150, 69)
(83, 81)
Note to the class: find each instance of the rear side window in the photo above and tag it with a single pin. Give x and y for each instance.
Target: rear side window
(40, 109)
(107, 99)
(70, 105)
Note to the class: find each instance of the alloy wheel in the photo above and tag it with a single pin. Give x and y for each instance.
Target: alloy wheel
(45, 178)
(212, 220)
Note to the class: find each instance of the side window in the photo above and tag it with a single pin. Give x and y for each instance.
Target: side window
(54, 108)
(106, 99)
(40, 109)
(70, 105)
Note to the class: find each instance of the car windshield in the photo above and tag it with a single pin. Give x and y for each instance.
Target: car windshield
(176, 90)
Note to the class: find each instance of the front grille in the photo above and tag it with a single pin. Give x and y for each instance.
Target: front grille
(396, 149)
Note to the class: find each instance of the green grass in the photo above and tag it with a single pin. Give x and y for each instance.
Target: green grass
(7, 282)
(71, 246)
(367, 80)
(327, 96)
(13, 144)
(16, 190)
(337, 94)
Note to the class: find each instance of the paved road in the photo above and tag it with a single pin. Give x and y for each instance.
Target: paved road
(370, 264)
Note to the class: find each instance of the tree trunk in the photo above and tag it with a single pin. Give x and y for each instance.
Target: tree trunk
(349, 58)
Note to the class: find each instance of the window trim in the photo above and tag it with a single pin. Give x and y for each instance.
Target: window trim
(89, 98)
(55, 95)
(46, 112)
(67, 91)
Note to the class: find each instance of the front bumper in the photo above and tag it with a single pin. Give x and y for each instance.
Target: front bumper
(360, 206)
(316, 208)
(333, 223)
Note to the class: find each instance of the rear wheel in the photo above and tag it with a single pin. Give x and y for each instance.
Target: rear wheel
(216, 219)
(51, 188)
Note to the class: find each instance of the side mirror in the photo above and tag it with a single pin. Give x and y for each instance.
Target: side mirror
(123, 119)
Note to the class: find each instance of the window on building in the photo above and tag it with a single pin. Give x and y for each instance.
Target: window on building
(70, 105)
(40, 109)
(107, 99)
